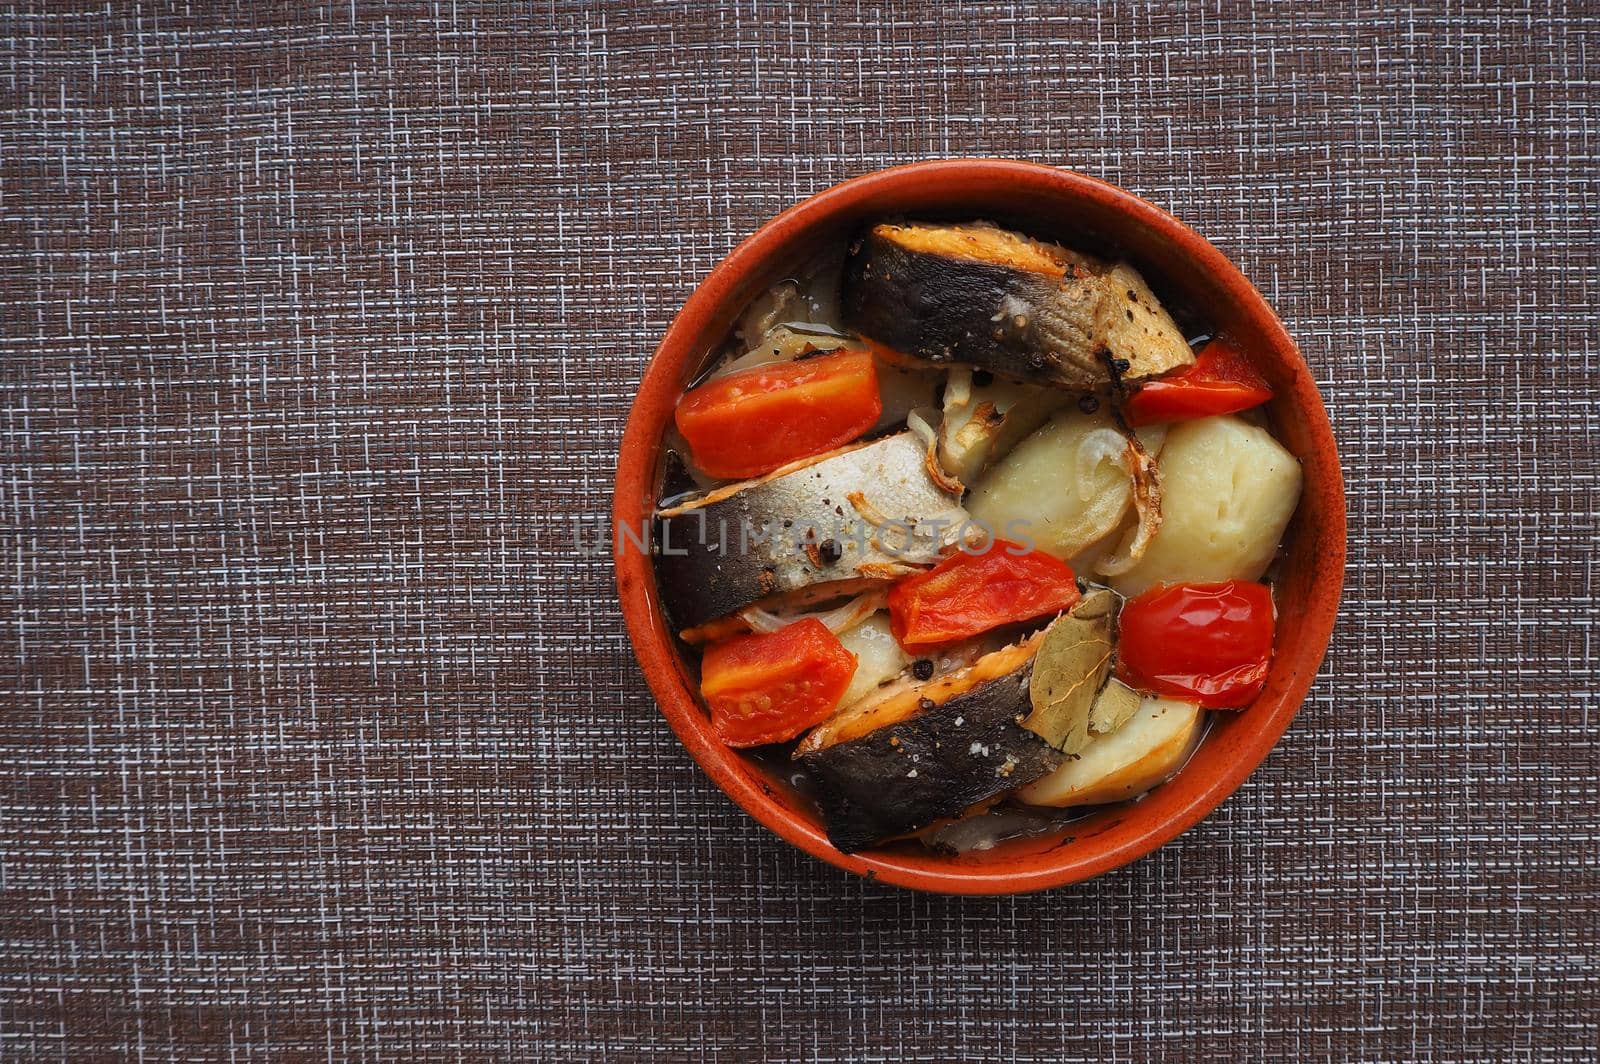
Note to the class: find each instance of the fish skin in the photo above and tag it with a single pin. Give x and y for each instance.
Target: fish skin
(707, 582)
(1033, 326)
(864, 786)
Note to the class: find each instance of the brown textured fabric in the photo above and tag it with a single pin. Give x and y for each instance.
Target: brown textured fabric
(321, 323)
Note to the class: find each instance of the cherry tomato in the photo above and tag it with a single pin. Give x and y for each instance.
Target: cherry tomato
(1205, 643)
(967, 594)
(770, 687)
(751, 422)
(1221, 381)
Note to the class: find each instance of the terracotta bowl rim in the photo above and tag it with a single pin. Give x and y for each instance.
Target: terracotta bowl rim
(654, 645)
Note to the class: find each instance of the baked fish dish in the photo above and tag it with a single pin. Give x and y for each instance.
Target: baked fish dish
(970, 533)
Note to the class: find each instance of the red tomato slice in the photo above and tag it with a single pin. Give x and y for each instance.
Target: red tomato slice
(769, 688)
(1205, 643)
(968, 594)
(1221, 381)
(751, 422)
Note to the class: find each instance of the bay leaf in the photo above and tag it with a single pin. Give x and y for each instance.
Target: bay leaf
(1113, 707)
(1069, 670)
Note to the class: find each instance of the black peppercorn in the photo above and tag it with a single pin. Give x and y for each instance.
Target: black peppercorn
(1088, 404)
(922, 669)
(830, 551)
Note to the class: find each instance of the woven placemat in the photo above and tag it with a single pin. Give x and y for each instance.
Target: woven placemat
(321, 738)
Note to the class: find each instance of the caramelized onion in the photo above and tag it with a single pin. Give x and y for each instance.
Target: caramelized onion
(1146, 503)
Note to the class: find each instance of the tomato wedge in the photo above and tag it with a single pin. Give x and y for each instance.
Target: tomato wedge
(751, 422)
(968, 594)
(1205, 643)
(1221, 381)
(770, 687)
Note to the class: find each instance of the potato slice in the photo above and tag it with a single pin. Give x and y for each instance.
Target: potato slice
(1228, 490)
(984, 421)
(1064, 488)
(879, 658)
(1145, 751)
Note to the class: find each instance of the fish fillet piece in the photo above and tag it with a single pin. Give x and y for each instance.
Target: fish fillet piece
(976, 294)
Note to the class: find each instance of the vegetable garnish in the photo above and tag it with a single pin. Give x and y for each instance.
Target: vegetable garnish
(752, 422)
(968, 594)
(770, 687)
(1208, 643)
(1221, 381)
(1069, 670)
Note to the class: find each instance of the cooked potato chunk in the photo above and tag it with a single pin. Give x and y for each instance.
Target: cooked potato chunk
(1145, 751)
(1227, 492)
(1064, 488)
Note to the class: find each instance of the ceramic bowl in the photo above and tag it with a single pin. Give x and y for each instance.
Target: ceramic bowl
(1189, 274)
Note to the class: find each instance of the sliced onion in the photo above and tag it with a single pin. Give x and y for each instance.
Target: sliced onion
(921, 422)
(840, 619)
(782, 343)
(958, 387)
(812, 328)
(1096, 447)
(920, 555)
(852, 613)
(760, 620)
(918, 421)
(869, 513)
(1146, 503)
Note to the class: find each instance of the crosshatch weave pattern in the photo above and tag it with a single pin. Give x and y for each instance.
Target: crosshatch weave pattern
(320, 739)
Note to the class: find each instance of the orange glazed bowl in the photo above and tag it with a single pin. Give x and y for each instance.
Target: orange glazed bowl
(1187, 273)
